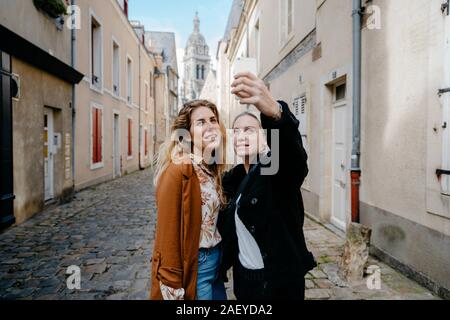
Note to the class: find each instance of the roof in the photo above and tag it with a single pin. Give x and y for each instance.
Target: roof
(233, 18)
(163, 43)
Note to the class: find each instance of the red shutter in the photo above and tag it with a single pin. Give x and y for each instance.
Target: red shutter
(130, 150)
(99, 135)
(97, 116)
(94, 135)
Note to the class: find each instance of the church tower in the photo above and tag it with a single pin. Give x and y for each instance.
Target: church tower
(196, 63)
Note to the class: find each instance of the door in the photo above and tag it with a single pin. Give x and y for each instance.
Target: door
(49, 152)
(6, 144)
(339, 165)
(116, 147)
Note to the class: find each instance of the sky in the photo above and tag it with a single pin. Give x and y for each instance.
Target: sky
(177, 16)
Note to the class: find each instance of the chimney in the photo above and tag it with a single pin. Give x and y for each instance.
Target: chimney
(159, 61)
(125, 7)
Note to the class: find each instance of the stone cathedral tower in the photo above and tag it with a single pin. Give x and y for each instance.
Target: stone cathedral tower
(196, 63)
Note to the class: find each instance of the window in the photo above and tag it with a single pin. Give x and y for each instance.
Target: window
(286, 26)
(116, 69)
(129, 81)
(151, 84)
(340, 93)
(203, 72)
(198, 72)
(290, 21)
(96, 135)
(96, 54)
(146, 97)
(130, 138)
(300, 107)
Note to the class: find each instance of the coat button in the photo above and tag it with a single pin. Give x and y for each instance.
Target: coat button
(252, 229)
(254, 201)
(264, 256)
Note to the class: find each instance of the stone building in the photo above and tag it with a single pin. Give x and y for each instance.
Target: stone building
(196, 63)
(305, 53)
(36, 108)
(163, 46)
(115, 102)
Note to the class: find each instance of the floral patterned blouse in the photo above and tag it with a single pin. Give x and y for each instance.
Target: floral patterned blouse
(209, 236)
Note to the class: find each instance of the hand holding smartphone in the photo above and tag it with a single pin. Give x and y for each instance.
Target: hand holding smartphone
(245, 65)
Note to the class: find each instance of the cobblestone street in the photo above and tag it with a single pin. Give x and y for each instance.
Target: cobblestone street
(108, 230)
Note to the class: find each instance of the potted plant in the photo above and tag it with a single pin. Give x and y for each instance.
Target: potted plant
(54, 8)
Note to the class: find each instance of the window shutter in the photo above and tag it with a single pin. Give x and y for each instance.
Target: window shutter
(99, 135)
(283, 22)
(445, 179)
(446, 145)
(94, 134)
(130, 151)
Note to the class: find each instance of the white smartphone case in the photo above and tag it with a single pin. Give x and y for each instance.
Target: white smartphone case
(245, 65)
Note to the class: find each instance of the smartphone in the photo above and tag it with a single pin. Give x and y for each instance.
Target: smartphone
(245, 65)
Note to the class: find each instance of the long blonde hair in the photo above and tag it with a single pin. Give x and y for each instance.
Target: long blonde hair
(175, 148)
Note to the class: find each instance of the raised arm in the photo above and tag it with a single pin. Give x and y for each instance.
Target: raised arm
(292, 156)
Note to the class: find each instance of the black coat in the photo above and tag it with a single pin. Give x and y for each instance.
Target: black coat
(271, 208)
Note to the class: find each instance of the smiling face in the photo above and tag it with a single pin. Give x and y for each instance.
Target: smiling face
(205, 129)
(248, 137)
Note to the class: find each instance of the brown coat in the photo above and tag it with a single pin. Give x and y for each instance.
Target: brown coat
(175, 253)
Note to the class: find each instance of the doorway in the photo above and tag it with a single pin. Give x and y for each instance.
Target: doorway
(339, 156)
(6, 143)
(49, 153)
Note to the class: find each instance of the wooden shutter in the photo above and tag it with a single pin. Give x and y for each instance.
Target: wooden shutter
(99, 135)
(130, 150)
(94, 135)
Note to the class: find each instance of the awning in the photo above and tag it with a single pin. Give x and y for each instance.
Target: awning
(22, 49)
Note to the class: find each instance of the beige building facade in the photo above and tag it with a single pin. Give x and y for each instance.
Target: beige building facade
(115, 102)
(166, 78)
(36, 114)
(304, 53)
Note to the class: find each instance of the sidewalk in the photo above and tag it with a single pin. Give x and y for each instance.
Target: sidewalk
(324, 282)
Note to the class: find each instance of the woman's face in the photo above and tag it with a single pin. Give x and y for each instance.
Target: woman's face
(248, 137)
(205, 129)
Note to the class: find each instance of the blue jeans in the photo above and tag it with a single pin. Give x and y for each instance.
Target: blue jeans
(209, 286)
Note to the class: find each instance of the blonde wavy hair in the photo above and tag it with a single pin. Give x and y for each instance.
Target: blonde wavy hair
(177, 148)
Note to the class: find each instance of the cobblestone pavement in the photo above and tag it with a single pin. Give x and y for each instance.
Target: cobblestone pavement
(324, 283)
(108, 231)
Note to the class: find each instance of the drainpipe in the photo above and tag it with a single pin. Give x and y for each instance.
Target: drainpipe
(74, 105)
(155, 74)
(140, 109)
(356, 143)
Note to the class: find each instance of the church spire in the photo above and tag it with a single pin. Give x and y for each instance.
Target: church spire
(196, 22)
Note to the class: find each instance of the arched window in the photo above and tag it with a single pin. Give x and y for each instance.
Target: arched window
(203, 72)
(198, 72)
